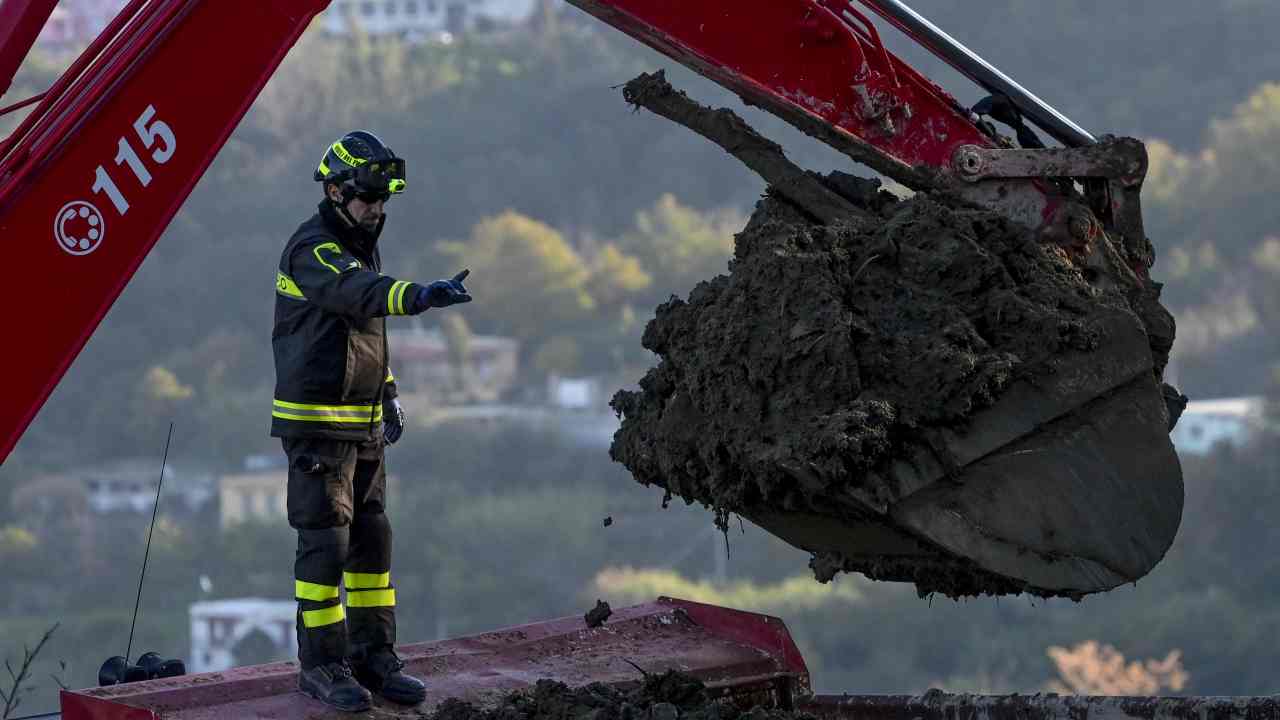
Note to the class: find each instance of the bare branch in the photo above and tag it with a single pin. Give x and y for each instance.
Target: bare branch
(13, 698)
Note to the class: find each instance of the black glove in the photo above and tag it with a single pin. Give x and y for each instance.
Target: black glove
(441, 293)
(392, 420)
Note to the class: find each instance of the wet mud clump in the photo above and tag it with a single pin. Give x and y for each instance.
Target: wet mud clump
(669, 696)
(877, 391)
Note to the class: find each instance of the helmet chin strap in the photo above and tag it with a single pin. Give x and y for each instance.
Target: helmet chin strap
(341, 206)
(355, 225)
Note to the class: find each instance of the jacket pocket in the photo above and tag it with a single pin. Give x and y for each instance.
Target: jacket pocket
(364, 370)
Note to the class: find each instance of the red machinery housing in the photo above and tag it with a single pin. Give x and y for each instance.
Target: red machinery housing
(743, 657)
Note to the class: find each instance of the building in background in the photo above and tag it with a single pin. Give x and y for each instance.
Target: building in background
(419, 20)
(258, 495)
(1208, 423)
(576, 393)
(482, 369)
(129, 485)
(243, 631)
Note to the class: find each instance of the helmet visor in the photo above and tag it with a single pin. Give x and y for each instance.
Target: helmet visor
(380, 176)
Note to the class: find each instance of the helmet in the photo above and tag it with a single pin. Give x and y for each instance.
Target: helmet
(362, 163)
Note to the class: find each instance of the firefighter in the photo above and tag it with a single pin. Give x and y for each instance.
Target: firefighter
(335, 409)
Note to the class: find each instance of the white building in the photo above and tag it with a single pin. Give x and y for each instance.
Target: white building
(255, 495)
(576, 393)
(244, 631)
(1206, 423)
(129, 485)
(421, 19)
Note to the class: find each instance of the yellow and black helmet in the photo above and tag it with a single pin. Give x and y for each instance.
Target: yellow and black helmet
(361, 162)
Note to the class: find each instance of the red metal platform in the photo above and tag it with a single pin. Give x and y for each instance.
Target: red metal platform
(732, 651)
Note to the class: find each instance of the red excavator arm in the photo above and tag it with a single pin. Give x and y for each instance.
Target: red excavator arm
(94, 174)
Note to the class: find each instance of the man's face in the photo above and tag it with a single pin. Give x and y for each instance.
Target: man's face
(366, 213)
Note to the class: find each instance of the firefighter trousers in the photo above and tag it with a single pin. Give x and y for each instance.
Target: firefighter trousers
(336, 500)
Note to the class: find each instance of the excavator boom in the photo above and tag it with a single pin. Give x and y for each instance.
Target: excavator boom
(94, 174)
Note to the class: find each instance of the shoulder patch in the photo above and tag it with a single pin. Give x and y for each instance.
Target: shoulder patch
(333, 256)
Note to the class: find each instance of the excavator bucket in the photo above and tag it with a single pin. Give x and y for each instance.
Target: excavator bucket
(937, 418)
(962, 390)
(973, 417)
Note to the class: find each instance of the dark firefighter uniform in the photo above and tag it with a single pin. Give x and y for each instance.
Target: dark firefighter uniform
(332, 377)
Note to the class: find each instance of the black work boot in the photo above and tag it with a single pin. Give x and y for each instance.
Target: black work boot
(332, 684)
(379, 670)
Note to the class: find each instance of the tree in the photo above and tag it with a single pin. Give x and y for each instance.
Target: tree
(531, 280)
(616, 277)
(680, 246)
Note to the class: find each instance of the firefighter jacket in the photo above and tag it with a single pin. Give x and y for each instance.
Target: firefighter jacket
(330, 340)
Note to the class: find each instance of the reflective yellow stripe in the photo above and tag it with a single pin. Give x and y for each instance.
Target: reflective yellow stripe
(286, 286)
(365, 581)
(345, 156)
(394, 304)
(362, 407)
(324, 168)
(372, 598)
(326, 418)
(309, 412)
(324, 616)
(327, 246)
(314, 591)
(400, 297)
(390, 376)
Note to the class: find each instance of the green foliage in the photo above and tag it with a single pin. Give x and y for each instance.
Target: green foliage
(530, 277)
(679, 245)
(795, 594)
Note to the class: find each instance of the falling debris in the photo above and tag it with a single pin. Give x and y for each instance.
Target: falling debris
(596, 616)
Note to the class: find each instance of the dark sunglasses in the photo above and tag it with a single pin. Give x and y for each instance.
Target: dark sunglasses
(373, 197)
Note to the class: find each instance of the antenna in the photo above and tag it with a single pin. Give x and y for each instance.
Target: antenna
(147, 553)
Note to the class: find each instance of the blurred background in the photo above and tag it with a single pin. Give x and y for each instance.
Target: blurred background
(577, 216)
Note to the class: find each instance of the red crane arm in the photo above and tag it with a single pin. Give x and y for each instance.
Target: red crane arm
(94, 174)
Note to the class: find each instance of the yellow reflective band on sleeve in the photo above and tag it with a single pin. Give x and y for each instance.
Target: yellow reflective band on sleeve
(372, 598)
(395, 293)
(345, 156)
(287, 287)
(366, 581)
(391, 377)
(324, 616)
(371, 412)
(400, 296)
(331, 247)
(304, 590)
